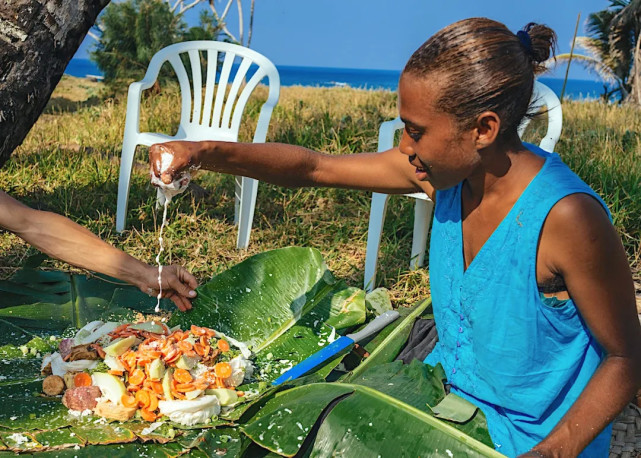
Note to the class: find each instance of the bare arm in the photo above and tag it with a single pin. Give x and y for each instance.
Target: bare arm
(590, 257)
(63, 239)
(292, 166)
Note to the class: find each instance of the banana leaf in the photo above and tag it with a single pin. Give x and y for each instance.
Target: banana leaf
(285, 305)
(324, 419)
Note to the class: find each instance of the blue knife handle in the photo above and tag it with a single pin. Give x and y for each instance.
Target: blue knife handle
(315, 360)
(336, 347)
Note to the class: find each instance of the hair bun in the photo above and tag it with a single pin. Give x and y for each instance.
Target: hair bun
(541, 40)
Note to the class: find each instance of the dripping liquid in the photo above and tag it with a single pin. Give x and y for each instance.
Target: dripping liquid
(160, 250)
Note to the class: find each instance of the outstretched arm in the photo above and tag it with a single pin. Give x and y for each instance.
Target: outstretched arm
(589, 255)
(63, 239)
(290, 165)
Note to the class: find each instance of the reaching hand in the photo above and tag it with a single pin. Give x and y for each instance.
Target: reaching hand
(168, 160)
(177, 285)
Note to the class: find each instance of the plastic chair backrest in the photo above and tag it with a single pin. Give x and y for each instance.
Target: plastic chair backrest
(544, 96)
(217, 113)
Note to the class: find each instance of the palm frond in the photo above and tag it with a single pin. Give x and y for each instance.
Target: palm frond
(592, 65)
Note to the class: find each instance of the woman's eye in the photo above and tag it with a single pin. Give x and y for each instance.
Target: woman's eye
(414, 134)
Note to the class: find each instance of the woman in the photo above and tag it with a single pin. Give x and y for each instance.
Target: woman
(63, 239)
(532, 294)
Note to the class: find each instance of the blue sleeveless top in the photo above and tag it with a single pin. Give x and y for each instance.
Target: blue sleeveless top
(520, 360)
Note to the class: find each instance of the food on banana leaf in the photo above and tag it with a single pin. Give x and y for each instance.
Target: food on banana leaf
(148, 370)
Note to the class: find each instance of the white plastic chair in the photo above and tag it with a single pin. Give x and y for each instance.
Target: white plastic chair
(214, 116)
(541, 96)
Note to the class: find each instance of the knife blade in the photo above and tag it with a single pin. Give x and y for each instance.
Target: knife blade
(336, 347)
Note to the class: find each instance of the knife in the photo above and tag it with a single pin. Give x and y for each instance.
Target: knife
(336, 347)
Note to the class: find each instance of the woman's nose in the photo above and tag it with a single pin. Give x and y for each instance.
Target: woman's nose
(405, 145)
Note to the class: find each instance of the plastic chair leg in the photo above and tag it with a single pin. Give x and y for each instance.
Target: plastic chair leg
(238, 183)
(247, 206)
(374, 232)
(422, 221)
(126, 164)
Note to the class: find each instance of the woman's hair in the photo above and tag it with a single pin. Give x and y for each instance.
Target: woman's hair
(486, 68)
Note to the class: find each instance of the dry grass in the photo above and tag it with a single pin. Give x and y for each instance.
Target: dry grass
(69, 163)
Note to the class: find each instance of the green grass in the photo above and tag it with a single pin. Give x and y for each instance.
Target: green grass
(69, 164)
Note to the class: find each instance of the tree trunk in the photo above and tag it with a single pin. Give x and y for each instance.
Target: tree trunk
(635, 90)
(38, 38)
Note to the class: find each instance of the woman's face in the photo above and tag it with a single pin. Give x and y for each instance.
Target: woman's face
(442, 153)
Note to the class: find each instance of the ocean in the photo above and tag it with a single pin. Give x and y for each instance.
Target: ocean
(364, 79)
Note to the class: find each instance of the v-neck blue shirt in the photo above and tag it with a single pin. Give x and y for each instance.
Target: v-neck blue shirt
(523, 362)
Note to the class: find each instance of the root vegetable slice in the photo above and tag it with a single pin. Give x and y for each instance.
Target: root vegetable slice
(108, 409)
(143, 397)
(182, 376)
(82, 379)
(136, 377)
(147, 415)
(223, 370)
(129, 401)
(223, 345)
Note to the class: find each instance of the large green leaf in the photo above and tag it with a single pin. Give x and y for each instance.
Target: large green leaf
(361, 420)
(259, 299)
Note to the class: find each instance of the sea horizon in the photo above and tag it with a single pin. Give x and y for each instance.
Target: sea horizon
(372, 79)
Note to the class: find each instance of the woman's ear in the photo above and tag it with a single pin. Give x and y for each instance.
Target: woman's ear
(488, 125)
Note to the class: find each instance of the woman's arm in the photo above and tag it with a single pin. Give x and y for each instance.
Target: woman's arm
(288, 165)
(587, 252)
(63, 239)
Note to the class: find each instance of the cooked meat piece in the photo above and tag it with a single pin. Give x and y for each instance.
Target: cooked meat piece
(81, 398)
(82, 352)
(108, 409)
(53, 385)
(65, 346)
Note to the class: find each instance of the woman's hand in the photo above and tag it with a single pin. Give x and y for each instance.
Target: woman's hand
(168, 160)
(177, 285)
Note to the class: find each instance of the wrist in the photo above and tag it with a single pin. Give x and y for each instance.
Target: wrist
(142, 275)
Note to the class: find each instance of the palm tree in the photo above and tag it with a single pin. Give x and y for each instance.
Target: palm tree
(612, 48)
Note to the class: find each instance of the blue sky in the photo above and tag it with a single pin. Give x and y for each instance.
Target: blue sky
(382, 34)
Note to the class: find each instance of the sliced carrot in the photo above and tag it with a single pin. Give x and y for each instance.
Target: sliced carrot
(185, 346)
(153, 402)
(82, 379)
(147, 415)
(223, 370)
(173, 357)
(199, 349)
(136, 377)
(201, 385)
(182, 376)
(134, 388)
(178, 395)
(144, 398)
(240, 394)
(156, 387)
(185, 387)
(129, 401)
(115, 372)
(223, 345)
